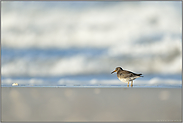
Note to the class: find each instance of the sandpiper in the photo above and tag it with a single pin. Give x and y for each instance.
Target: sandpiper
(126, 76)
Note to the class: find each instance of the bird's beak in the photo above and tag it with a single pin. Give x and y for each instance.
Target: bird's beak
(113, 71)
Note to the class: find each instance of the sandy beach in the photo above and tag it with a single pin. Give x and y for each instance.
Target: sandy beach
(90, 104)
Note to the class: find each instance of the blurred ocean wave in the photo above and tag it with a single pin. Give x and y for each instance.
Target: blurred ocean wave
(54, 62)
(55, 26)
(47, 39)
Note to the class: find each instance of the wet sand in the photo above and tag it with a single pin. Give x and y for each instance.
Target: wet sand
(90, 104)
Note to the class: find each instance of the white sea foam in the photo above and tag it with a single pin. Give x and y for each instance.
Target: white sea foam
(38, 26)
(160, 47)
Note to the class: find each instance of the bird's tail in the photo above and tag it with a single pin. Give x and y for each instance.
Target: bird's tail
(140, 75)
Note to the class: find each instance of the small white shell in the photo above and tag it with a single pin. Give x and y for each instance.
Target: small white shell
(15, 84)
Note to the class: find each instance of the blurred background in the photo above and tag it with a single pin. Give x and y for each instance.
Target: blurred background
(66, 43)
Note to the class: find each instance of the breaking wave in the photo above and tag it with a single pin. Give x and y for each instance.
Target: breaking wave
(82, 38)
(98, 24)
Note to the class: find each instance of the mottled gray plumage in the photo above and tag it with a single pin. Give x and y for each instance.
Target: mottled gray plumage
(126, 76)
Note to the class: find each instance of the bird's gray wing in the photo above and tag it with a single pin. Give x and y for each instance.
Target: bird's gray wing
(126, 75)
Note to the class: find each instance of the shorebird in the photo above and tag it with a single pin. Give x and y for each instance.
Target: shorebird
(126, 76)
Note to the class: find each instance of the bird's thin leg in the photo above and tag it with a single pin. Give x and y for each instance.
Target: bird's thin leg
(131, 83)
(128, 84)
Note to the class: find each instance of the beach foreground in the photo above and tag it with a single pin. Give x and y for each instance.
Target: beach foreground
(90, 104)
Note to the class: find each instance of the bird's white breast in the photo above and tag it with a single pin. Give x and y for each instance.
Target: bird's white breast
(124, 80)
(128, 79)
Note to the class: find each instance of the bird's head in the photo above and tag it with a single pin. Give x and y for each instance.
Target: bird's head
(117, 69)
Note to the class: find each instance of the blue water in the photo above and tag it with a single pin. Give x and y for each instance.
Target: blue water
(29, 56)
(53, 81)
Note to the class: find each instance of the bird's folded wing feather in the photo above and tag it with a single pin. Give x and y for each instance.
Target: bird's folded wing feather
(126, 74)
